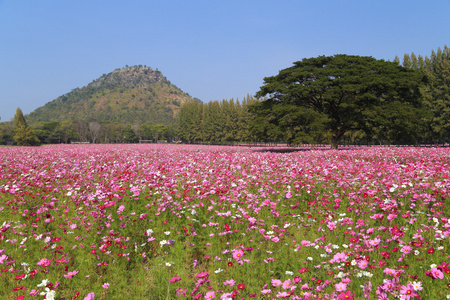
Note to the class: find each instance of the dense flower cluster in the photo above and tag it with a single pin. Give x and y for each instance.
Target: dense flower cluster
(204, 222)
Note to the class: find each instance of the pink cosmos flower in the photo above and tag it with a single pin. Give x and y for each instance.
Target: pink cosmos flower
(230, 282)
(389, 271)
(71, 274)
(303, 270)
(237, 254)
(391, 217)
(226, 296)
(407, 291)
(305, 287)
(283, 295)
(89, 296)
(202, 275)
(276, 282)
(3, 258)
(347, 295)
(44, 262)
(175, 279)
(406, 249)
(331, 226)
(287, 284)
(340, 287)
(362, 264)
(339, 257)
(210, 295)
(181, 292)
(296, 280)
(388, 285)
(374, 242)
(436, 273)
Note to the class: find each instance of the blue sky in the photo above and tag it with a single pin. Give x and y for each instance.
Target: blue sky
(211, 49)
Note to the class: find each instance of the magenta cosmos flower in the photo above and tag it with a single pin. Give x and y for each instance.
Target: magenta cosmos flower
(407, 291)
(175, 279)
(237, 254)
(347, 295)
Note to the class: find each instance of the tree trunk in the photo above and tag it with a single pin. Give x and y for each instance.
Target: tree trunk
(334, 144)
(335, 138)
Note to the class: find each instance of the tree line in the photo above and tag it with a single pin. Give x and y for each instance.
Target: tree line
(435, 126)
(331, 100)
(216, 122)
(20, 133)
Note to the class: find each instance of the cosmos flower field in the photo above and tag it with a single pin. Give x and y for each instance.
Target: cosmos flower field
(203, 222)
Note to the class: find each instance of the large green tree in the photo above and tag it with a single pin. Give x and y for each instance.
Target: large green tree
(340, 89)
(23, 134)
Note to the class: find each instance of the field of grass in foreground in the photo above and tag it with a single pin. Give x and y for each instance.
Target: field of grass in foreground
(198, 222)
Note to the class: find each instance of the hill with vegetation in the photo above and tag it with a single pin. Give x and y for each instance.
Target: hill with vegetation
(129, 95)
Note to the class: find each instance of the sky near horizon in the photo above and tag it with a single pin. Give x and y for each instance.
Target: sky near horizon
(211, 49)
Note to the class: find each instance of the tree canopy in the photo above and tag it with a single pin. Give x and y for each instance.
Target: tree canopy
(340, 92)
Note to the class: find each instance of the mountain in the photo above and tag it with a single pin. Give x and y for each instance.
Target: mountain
(130, 95)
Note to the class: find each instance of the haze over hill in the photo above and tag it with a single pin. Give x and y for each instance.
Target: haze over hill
(130, 95)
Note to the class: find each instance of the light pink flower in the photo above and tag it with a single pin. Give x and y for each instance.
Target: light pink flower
(287, 284)
(3, 258)
(362, 264)
(276, 282)
(283, 295)
(71, 274)
(340, 287)
(89, 296)
(230, 282)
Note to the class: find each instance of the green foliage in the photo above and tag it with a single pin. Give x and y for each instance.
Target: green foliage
(339, 89)
(396, 122)
(190, 122)
(217, 122)
(436, 94)
(23, 134)
(19, 119)
(118, 133)
(2, 140)
(47, 132)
